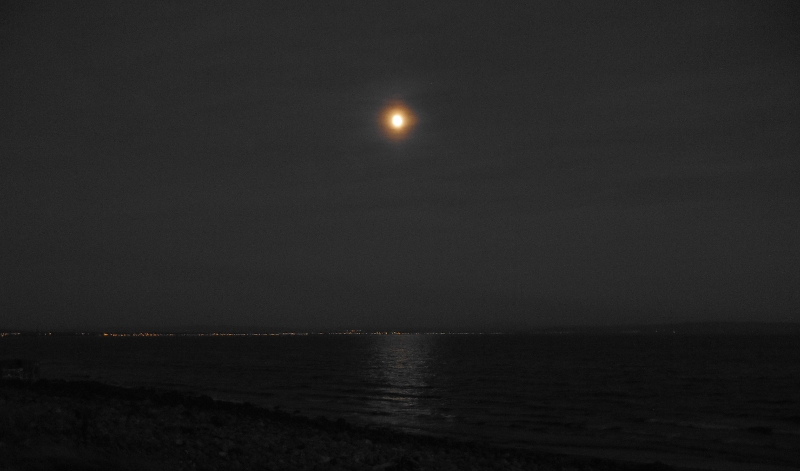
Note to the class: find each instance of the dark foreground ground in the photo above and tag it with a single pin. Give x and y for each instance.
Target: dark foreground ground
(58, 425)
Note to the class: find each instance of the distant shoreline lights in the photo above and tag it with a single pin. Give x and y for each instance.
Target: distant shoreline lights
(229, 334)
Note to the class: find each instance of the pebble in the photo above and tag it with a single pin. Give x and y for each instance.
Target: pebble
(239, 438)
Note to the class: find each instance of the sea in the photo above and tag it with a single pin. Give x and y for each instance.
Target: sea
(723, 402)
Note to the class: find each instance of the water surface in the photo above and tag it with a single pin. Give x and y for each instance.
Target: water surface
(714, 400)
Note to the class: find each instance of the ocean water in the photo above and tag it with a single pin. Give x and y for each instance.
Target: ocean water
(717, 402)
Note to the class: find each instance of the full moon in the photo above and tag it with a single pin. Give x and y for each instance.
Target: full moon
(396, 120)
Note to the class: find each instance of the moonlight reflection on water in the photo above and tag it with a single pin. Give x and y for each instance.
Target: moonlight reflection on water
(400, 368)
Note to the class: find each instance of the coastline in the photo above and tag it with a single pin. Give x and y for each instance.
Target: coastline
(56, 424)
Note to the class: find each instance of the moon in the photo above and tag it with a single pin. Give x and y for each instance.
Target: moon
(397, 120)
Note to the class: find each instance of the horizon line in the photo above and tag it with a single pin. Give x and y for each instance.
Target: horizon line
(630, 328)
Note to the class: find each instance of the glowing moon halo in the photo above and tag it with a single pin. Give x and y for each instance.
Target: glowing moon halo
(396, 121)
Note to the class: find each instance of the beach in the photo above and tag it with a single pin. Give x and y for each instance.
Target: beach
(701, 402)
(54, 424)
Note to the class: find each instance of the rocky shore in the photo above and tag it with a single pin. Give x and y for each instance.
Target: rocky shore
(49, 425)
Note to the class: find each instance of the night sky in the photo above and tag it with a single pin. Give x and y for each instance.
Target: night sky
(180, 163)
